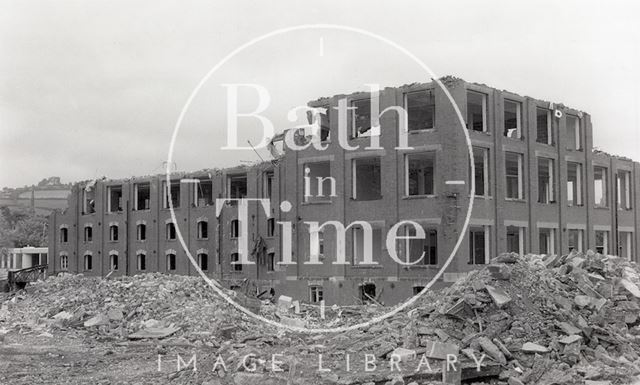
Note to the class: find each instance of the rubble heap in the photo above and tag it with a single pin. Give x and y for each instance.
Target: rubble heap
(569, 319)
(121, 307)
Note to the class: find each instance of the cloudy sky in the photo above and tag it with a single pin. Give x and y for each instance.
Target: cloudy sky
(94, 88)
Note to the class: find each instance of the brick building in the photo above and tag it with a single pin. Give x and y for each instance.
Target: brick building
(540, 188)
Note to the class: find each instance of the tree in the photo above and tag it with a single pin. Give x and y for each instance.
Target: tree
(20, 228)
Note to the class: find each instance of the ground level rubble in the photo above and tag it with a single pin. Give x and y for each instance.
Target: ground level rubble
(569, 319)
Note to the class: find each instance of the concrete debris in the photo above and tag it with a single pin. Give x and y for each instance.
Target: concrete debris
(499, 297)
(539, 320)
(530, 347)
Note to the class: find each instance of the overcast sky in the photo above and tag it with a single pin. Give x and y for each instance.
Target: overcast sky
(94, 88)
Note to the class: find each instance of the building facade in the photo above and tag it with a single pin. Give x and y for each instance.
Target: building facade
(540, 187)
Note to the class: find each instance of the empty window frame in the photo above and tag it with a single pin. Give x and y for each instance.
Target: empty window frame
(574, 184)
(514, 175)
(574, 133)
(624, 190)
(271, 227)
(88, 200)
(203, 192)
(170, 231)
(546, 180)
(88, 233)
(481, 166)
(419, 177)
(203, 229)
(602, 242)
(142, 193)
(600, 186)
(417, 290)
(625, 244)
(113, 233)
(141, 261)
(361, 119)
(271, 262)
(319, 186)
(368, 292)
(88, 262)
(421, 110)
(269, 179)
(171, 194)
(426, 247)
(114, 199)
(515, 239)
(547, 241)
(235, 262)
(64, 262)
(64, 235)
(367, 179)
(512, 119)
(203, 261)
(479, 246)
(476, 111)
(361, 249)
(237, 186)
(171, 262)
(543, 126)
(235, 228)
(315, 294)
(316, 243)
(141, 232)
(575, 239)
(113, 261)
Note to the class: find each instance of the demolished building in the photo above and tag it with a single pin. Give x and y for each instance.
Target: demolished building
(540, 187)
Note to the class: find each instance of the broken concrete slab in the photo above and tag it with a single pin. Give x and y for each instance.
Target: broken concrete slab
(293, 322)
(570, 339)
(499, 296)
(284, 303)
(530, 347)
(115, 314)
(492, 350)
(582, 300)
(631, 287)
(569, 328)
(63, 315)
(500, 271)
(438, 350)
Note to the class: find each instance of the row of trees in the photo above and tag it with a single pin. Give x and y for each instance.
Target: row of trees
(22, 227)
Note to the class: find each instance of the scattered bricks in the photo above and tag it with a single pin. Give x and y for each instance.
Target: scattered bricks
(501, 272)
(500, 298)
(605, 289)
(438, 350)
(569, 328)
(631, 287)
(591, 382)
(284, 303)
(403, 354)
(442, 334)
(228, 332)
(492, 350)
(576, 262)
(296, 307)
(564, 303)
(570, 339)
(63, 315)
(551, 261)
(502, 348)
(582, 300)
(530, 347)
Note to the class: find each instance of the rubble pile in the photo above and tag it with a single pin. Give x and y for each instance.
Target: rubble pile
(569, 319)
(545, 319)
(121, 307)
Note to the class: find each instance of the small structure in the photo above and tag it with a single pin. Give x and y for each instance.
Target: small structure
(21, 265)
